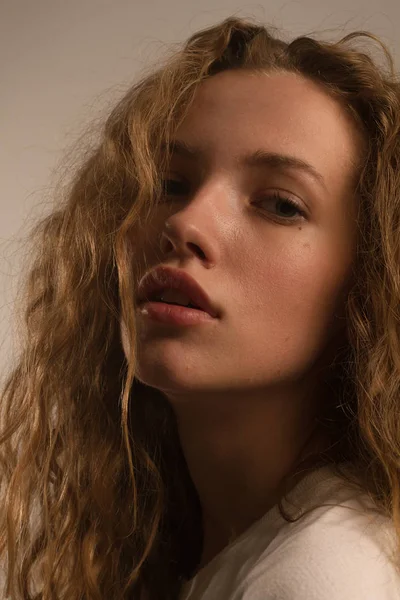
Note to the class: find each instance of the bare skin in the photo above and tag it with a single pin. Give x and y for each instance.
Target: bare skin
(245, 387)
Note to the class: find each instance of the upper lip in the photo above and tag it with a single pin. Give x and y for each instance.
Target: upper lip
(163, 278)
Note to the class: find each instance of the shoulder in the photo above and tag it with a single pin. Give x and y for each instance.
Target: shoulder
(336, 553)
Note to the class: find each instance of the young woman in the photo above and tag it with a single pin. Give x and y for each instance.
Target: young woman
(207, 402)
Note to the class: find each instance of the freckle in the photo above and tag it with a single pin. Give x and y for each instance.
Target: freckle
(300, 228)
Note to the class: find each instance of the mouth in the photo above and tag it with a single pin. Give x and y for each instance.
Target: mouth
(175, 288)
(172, 313)
(173, 298)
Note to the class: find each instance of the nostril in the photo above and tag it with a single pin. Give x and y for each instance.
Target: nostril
(197, 249)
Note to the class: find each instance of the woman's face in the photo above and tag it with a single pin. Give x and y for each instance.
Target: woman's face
(277, 272)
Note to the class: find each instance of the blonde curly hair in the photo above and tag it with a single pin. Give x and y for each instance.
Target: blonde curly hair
(97, 497)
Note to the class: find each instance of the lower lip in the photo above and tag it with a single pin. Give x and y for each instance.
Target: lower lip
(173, 314)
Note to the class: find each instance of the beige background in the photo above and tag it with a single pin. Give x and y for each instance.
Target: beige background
(63, 63)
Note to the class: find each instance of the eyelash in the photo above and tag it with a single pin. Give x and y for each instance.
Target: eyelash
(294, 205)
(274, 196)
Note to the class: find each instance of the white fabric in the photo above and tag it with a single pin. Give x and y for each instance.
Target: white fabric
(339, 552)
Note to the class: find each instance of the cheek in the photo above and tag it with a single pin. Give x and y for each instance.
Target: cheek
(314, 279)
(297, 292)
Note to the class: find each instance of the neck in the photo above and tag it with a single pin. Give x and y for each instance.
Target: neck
(239, 457)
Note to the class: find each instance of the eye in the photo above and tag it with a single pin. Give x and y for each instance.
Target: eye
(286, 204)
(173, 187)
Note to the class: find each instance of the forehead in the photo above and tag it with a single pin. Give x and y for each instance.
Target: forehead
(237, 111)
(267, 95)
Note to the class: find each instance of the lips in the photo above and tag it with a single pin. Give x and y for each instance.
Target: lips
(163, 278)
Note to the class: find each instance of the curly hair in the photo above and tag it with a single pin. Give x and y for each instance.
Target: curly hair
(97, 496)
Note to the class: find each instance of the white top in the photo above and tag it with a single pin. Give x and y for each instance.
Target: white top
(339, 552)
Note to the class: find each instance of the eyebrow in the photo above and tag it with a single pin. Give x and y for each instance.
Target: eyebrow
(260, 158)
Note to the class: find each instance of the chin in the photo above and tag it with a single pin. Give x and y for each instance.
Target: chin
(166, 376)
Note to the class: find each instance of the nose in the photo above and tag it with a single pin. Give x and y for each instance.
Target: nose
(186, 240)
(195, 228)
